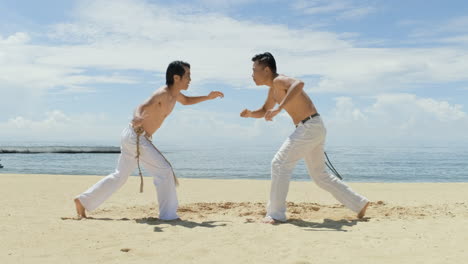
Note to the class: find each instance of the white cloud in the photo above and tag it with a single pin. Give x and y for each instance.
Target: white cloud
(58, 126)
(390, 119)
(341, 9)
(318, 6)
(409, 104)
(108, 37)
(149, 38)
(346, 111)
(27, 66)
(452, 32)
(152, 35)
(442, 109)
(372, 71)
(183, 127)
(17, 38)
(398, 119)
(356, 13)
(453, 25)
(461, 40)
(216, 4)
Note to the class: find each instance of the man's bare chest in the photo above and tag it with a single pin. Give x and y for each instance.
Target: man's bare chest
(168, 107)
(162, 108)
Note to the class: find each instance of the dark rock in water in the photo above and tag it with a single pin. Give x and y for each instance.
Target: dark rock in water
(59, 149)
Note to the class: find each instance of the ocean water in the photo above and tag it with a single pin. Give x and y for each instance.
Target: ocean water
(355, 164)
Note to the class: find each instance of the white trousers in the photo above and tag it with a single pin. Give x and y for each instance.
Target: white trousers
(154, 163)
(307, 142)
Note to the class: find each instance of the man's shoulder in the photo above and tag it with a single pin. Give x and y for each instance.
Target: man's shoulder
(159, 95)
(280, 77)
(161, 92)
(162, 89)
(282, 80)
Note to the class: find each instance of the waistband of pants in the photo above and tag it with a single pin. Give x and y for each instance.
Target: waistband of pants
(309, 117)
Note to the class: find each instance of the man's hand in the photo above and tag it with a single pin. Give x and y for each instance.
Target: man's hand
(246, 113)
(137, 120)
(215, 94)
(272, 113)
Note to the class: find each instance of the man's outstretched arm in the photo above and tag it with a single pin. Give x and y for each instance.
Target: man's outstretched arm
(190, 100)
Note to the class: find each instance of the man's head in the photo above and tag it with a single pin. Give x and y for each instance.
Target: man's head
(264, 68)
(178, 73)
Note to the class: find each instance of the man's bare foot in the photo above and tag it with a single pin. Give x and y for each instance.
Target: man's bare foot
(80, 210)
(363, 211)
(270, 220)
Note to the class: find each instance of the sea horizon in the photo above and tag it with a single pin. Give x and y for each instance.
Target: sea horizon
(354, 163)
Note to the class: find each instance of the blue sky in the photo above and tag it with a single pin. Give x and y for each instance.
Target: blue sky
(380, 72)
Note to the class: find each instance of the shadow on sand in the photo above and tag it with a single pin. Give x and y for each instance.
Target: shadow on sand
(178, 222)
(159, 225)
(155, 222)
(327, 224)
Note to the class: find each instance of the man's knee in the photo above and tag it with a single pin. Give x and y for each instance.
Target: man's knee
(277, 163)
(324, 180)
(280, 169)
(281, 163)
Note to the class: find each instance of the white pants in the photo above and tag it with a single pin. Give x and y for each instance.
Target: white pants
(154, 163)
(306, 143)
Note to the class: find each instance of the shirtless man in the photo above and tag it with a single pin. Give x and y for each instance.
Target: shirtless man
(148, 117)
(306, 142)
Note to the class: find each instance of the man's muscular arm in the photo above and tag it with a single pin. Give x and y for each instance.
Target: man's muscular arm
(293, 87)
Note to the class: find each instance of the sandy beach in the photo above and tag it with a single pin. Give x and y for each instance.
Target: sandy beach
(406, 223)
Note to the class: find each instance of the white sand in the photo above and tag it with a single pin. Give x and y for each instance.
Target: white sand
(412, 223)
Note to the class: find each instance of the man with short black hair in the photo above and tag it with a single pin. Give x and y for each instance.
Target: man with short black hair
(306, 142)
(136, 146)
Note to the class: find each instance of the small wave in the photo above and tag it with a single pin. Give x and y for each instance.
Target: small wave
(59, 149)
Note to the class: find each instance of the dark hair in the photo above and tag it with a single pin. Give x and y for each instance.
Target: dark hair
(175, 68)
(266, 59)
